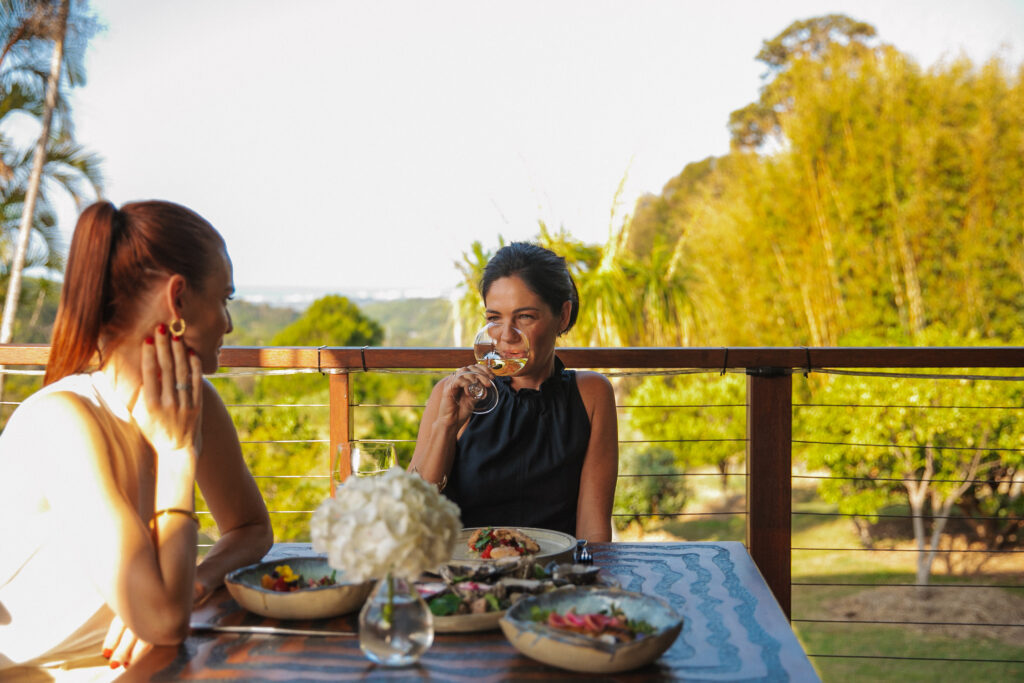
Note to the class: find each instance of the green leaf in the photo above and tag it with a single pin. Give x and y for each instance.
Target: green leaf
(444, 605)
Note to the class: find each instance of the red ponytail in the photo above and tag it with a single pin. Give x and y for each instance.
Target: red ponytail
(76, 329)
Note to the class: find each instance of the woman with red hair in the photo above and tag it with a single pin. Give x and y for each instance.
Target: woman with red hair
(98, 527)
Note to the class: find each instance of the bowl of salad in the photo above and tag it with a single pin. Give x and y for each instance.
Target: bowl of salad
(296, 588)
(592, 630)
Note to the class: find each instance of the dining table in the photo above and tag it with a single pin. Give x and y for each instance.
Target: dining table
(733, 630)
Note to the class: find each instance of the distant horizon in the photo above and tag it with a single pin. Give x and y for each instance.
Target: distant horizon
(301, 296)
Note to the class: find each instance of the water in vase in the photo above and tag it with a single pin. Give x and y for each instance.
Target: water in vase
(400, 640)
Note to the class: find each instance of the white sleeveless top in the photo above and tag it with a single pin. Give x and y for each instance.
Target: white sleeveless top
(50, 613)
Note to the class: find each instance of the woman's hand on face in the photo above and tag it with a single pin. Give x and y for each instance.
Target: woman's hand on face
(456, 402)
(171, 399)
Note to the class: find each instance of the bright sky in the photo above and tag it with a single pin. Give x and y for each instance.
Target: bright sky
(352, 146)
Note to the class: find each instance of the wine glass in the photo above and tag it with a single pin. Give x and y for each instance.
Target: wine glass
(503, 349)
(367, 457)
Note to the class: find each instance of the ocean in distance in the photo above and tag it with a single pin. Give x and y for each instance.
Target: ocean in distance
(299, 298)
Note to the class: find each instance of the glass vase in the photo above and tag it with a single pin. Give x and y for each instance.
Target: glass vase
(395, 624)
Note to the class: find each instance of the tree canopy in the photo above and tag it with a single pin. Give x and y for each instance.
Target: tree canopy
(332, 320)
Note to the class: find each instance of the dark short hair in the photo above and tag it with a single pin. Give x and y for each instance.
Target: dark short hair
(543, 271)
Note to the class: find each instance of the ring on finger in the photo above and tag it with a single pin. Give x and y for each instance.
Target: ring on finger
(182, 386)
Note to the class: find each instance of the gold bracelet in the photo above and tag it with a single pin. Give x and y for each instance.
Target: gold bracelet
(172, 511)
(440, 485)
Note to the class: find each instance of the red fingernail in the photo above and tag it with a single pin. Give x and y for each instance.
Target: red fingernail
(191, 352)
(107, 652)
(114, 665)
(126, 665)
(176, 338)
(149, 340)
(162, 329)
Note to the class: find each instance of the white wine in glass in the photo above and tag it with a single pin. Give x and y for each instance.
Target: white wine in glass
(368, 458)
(503, 349)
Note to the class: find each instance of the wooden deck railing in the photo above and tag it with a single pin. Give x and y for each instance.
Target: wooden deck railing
(769, 403)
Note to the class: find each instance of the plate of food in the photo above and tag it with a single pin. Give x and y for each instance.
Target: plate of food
(474, 596)
(296, 588)
(481, 544)
(470, 607)
(592, 630)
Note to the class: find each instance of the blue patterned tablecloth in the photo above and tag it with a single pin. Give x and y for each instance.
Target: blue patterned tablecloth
(733, 630)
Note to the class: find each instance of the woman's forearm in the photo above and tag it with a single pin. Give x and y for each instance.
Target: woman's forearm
(433, 459)
(160, 613)
(435, 442)
(238, 547)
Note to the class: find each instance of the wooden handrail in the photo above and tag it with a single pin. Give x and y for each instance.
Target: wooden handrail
(769, 403)
(351, 358)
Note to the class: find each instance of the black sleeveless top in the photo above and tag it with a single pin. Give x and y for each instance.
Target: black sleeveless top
(520, 464)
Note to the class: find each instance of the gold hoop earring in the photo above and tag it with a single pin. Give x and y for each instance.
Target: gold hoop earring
(178, 327)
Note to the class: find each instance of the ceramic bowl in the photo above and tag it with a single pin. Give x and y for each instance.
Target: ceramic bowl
(468, 623)
(578, 652)
(320, 602)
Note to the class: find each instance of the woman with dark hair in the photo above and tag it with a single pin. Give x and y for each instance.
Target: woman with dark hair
(547, 456)
(98, 469)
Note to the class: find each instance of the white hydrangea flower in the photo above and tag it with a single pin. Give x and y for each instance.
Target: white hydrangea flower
(393, 522)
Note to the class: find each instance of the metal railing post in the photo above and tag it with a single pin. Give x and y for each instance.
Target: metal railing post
(769, 477)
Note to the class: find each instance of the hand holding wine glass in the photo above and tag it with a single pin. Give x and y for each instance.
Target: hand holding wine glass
(505, 351)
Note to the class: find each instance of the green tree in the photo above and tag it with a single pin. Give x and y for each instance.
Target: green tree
(930, 449)
(616, 289)
(332, 320)
(468, 313)
(699, 418)
(649, 486)
(890, 199)
(413, 322)
(284, 448)
(864, 200)
(28, 30)
(660, 219)
(255, 324)
(807, 40)
(69, 169)
(283, 424)
(47, 22)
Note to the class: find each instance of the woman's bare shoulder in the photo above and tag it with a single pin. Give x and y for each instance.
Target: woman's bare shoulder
(55, 407)
(210, 393)
(593, 382)
(53, 425)
(596, 392)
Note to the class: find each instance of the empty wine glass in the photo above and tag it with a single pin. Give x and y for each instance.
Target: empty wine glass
(367, 458)
(503, 349)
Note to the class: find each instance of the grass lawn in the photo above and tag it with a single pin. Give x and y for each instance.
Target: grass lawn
(853, 652)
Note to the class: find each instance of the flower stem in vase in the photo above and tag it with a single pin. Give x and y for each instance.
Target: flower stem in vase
(395, 625)
(388, 609)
